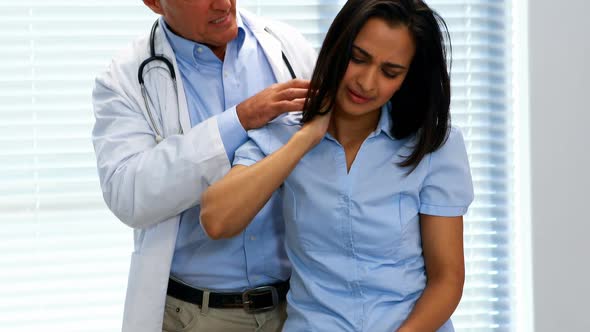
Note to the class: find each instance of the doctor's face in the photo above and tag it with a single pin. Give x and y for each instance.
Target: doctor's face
(211, 22)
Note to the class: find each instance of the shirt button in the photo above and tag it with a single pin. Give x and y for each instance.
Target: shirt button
(199, 49)
(252, 238)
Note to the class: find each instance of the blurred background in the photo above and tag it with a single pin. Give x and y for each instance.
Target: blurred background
(520, 81)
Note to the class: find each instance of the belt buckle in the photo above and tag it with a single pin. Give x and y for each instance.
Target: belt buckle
(249, 304)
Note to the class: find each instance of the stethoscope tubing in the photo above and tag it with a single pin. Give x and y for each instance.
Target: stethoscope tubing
(159, 57)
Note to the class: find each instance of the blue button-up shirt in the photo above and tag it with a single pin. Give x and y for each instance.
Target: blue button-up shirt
(214, 88)
(354, 237)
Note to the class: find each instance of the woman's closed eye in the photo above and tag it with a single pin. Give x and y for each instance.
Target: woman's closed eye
(390, 74)
(356, 59)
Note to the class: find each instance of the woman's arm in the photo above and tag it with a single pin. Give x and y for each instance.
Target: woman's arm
(442, 244)
(230, 204)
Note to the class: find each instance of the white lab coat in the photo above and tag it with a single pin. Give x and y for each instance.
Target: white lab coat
(146, 185)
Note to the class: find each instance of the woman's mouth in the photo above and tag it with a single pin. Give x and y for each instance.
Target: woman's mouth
(356, 97)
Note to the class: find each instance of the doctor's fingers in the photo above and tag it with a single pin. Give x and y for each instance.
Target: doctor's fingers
(294, 83)
(285, 106)
(292, 93)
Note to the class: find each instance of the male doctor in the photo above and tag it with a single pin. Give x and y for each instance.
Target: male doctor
(156, 154)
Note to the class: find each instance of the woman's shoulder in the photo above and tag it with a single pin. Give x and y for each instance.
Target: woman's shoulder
(455, 131)
(454, 139)
(291, 119)
(452, 151)
(277, 132)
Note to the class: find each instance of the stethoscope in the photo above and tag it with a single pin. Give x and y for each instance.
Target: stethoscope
(160, 57)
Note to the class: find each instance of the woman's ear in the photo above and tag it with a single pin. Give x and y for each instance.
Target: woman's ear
(154, 5)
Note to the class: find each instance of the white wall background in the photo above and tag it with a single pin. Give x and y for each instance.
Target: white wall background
(560, 140)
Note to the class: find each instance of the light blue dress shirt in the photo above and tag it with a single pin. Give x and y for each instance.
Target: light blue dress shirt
(214, 88)
(354, 238)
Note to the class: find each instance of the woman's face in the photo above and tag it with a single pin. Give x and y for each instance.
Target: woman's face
(380, 60)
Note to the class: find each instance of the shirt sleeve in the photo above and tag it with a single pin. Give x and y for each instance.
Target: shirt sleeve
(447, 189)
(231, 131)
(251, 151)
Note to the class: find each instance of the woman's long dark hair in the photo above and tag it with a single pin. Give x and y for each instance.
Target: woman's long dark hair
(421, 105)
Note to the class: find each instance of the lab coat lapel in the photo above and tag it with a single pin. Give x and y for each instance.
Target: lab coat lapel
(166, 49)
(272, 48)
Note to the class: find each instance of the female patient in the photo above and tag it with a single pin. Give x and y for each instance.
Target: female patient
(374, 183)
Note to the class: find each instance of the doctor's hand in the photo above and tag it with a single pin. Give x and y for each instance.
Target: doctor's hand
(266, 105)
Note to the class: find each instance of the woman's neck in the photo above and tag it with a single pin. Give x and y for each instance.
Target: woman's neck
(353, 129)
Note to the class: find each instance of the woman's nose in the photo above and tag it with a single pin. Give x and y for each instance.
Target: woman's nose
(366, 79)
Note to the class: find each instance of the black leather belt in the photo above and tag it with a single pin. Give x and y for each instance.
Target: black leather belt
(253, 300)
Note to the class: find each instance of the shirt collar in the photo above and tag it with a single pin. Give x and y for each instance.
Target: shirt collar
(384, 124)
(186, 49)
(241, 31)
